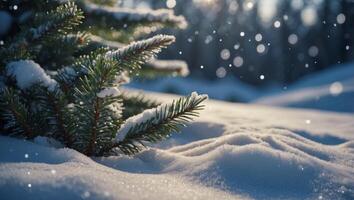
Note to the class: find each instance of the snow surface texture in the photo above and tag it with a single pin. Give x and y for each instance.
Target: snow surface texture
(332, 89)
(237, 152)
(27, 73)
(226, 89)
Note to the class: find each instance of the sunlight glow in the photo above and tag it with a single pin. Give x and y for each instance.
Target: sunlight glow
(267, 9)
(309, 16)
(248, 5)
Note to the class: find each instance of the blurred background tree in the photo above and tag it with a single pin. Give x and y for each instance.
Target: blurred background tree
(261, 42)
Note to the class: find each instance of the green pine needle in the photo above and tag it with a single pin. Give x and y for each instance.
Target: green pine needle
(136, 103)
(87, 110)
(159, 124)
(18, 119)
(134, 55)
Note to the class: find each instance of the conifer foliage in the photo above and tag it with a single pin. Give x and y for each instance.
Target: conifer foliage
(62, 65)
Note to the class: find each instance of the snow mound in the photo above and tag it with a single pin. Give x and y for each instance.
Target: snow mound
(332, 89)
(229, 89)
(277, 163)
(31, 171)
(237, 152)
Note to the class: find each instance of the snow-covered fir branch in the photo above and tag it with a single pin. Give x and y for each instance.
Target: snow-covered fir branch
(27, 73)
(139, 52)
(158, 123)
(127, 15)
(59, 81)
(34, 34)
(129, 57)
(62, 19)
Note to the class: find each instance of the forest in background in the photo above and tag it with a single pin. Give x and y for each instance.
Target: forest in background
(261, 42)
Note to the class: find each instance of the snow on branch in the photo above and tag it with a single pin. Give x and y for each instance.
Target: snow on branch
(158, 123)
(62, 19)
(163, 67)
(152, 68)
(109, 92)
(137, 53)
(27, 73)
(49, 24)
(127, 15)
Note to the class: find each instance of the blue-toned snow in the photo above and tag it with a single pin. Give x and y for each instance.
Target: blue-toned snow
(233, 151)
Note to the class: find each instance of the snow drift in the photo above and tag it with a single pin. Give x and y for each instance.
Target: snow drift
(331, 89)
(229, 89)
(233, 151)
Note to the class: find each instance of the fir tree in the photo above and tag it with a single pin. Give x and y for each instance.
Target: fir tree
(62, 65)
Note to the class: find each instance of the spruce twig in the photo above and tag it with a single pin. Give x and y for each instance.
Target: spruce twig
(158, 123)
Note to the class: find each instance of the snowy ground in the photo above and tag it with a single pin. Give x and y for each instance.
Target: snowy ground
(233, 151)
(228, 89)
(331, 90)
